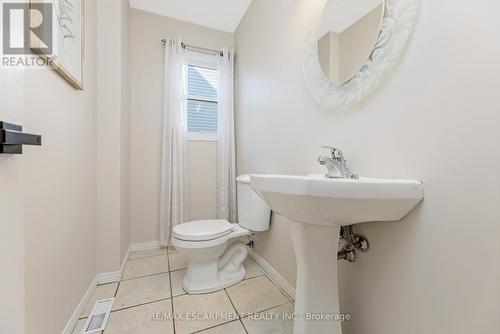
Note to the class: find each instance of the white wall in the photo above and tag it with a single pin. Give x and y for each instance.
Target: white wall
(59, 191)
(436, 118)
(125, 131)
(147, 30)
(12, 313)
(113, 121)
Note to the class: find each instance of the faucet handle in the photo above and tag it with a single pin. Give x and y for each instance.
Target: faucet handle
(336, 153)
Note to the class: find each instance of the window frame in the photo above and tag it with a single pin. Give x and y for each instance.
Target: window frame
(203, 61)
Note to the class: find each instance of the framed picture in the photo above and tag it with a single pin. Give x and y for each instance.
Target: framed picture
(68, 29)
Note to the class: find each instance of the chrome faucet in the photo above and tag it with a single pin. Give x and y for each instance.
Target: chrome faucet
(336, 164)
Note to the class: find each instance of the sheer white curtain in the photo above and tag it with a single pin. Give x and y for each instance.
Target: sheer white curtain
(226, 169)
(173, 189)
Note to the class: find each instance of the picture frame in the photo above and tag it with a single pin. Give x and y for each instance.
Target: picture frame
(68, 37)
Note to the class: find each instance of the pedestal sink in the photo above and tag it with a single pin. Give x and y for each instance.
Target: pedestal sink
(317, 207)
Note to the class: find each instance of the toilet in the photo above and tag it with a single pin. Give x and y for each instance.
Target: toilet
(215, 249)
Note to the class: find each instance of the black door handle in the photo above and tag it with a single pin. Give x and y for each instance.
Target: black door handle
(12, 138)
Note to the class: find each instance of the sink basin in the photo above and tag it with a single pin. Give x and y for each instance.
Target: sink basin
(315, 199)
(317, 207)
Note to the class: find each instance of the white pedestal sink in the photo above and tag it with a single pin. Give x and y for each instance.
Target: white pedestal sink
(317, 207)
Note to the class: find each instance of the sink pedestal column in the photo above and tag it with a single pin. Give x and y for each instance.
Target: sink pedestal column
(316, 248)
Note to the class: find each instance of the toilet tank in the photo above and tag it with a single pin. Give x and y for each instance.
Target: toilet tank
(253, 212)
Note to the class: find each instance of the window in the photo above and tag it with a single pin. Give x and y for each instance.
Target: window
(202, 101)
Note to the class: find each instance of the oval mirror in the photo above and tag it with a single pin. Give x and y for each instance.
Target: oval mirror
(351, 44)
(347, 33)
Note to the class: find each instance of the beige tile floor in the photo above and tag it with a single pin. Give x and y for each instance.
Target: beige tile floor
(151, 290)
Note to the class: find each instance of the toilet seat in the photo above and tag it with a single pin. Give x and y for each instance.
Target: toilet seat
(202, 230)
(235, 232)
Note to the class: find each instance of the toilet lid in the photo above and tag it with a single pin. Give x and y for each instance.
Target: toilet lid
(202, 230)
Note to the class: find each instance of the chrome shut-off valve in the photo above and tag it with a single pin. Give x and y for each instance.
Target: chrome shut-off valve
(352, 243)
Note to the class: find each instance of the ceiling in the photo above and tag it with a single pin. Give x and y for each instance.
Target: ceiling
(217, 14)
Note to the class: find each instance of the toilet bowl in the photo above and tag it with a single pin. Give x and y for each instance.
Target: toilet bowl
(215, 249)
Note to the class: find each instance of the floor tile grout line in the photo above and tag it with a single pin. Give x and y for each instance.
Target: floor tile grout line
(141, 304)
(155, 274)
(266, 310)
(232, 304)
(240, 318)
(171, 290)
(168, 251)
(146, 257)
(244, 327)
(250, 278)
(98, 285)
(215, 326)
(237, 313)
(114, 296)
(247, 278)
(116, 291)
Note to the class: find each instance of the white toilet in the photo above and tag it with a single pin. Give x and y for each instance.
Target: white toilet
(216, 249)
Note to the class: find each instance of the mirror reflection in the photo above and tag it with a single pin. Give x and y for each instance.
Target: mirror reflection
(347, 34)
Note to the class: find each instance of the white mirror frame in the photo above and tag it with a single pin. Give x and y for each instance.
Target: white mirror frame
(398, 22)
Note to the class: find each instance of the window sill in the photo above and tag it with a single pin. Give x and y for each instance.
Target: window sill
(197, 136)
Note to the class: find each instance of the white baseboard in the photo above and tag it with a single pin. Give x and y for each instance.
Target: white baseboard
(144, 246)
(99, 279)
(68, 329)
(273, 274)
(114, 276)
(111, 277)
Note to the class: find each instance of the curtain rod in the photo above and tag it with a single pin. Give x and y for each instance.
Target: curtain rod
(198, 48)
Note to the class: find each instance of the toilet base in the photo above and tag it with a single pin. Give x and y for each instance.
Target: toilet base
(206, 274)
(192, 289)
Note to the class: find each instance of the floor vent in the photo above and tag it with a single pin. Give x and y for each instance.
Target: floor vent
(98, 318)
